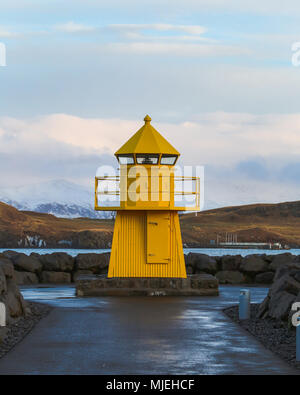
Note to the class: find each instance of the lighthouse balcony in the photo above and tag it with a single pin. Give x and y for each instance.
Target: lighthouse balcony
(178, 193)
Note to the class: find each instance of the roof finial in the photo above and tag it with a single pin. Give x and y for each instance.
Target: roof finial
(147, 119)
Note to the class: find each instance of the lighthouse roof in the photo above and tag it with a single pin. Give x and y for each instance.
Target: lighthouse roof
(147, 140)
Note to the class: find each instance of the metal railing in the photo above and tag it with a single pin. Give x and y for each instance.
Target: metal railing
(116, 192)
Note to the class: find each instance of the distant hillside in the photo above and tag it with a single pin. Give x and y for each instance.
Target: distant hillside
(30, 229)
(254, 223)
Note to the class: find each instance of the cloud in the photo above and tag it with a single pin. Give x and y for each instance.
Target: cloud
(165, 40)
(189, 29)
(72, 27)
(142, 33)
(7, 33)
(181, 50)
(247, 157)
(211, 138)
(29, 153)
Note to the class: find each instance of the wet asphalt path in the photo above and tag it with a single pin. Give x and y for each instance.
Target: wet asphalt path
(144, 335)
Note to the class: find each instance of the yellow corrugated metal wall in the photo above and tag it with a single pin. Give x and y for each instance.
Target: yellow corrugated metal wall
(129, 256)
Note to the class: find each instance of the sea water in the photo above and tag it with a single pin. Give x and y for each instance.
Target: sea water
(207, 251)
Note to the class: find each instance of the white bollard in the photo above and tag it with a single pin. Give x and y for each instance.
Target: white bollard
(2, 314)
(244, 304)
(298, 341)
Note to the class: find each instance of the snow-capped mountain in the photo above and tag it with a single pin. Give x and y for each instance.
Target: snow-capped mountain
(66, 199)
(59, 197)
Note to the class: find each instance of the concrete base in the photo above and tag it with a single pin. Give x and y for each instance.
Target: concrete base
(193, 285)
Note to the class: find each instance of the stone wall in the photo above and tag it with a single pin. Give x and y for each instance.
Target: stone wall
(9, 292)
(235, 269)
(61, 268)
(55, 268)
(284, 291)
(194, 285)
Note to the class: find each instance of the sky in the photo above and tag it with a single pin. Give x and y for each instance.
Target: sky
(216, 76)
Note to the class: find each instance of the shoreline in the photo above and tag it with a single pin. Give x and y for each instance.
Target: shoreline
(274, 335)
(16, 331)
(185, 246)
(214, 252)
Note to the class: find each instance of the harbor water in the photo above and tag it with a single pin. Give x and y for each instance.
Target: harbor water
(207, 251)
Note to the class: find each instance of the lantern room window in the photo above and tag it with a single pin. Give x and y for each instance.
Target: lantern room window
(168, 159)
(147, 159)
(126, 159)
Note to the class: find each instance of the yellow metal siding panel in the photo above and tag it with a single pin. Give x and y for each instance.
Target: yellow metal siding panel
(128, 255)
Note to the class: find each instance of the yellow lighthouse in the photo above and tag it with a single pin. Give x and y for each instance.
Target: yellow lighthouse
(147, 239)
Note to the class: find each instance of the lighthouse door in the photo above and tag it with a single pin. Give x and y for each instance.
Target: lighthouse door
(158, 237)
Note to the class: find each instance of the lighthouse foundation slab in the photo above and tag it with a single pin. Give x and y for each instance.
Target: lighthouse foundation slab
(193, 285)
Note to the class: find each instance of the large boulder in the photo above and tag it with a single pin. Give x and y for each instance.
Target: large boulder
(264, 278)
(286, 269)
(254, 264)
(10, 254)
(268, 258)
(55, 278)
(10, 294)
(7, 267)
(26, 263)
(26, 278)
(230, 277)
(188, 265)
(3, 287)
(296, 275)
(280, 305)
(282, 259)
(282, 294)
(96, 263)
(231, 262)
(263, 308)
(285, 283)
(13, 300)
(57, 262)
(202, 263)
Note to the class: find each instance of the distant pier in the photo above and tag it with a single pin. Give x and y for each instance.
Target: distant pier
(271, 246)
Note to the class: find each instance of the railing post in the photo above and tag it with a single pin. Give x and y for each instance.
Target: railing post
(2, 314)
(96, 192)
(244, 304)
(298, 341)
